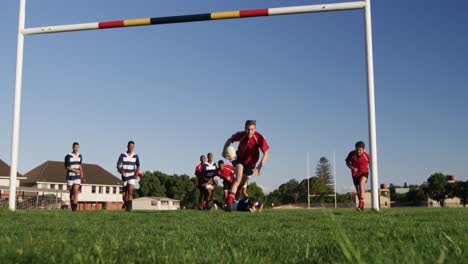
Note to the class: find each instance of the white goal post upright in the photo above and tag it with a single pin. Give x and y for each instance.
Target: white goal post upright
(22, 31)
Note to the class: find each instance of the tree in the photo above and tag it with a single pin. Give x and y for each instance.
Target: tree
(150, 185)
(416, 196)
(255, 191)
(437, 184)
(318, 186)
(322, 171)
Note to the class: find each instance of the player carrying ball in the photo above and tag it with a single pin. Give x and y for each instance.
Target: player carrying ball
(248, 154)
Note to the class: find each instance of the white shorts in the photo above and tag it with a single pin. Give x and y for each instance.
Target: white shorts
(73, 182)
(131, 181)
(209, 187)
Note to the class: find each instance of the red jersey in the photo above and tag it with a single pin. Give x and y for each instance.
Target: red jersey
(248, 151)
(359, 162)
(198, 173)
(198, 169)
(227, 173)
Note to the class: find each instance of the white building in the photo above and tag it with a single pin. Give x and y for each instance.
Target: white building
(99, 189)
(5, 179)
(155, 203)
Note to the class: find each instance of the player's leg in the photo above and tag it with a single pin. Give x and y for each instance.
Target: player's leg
(358, 191)
(209, 196)
(76, 190)
(226, 187)
(236, 184)
(129, 197)
(200, 197)
(124, 195)
(244, 187)
(70, 189)
(362, 184)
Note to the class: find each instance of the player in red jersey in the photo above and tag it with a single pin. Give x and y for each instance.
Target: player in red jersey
(248, 154)
(201, 179)
(358, 162)
(226, 172)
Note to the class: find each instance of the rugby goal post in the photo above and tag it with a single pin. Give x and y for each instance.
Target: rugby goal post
(365, 5)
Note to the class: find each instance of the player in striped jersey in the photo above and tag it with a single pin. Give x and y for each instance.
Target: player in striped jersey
(128, 166)
(209, 172)
(247, 205)
(74, 169)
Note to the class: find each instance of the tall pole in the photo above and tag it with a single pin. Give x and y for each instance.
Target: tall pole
(308, 184)
(334, 176)
(17, 106)
(371, 106)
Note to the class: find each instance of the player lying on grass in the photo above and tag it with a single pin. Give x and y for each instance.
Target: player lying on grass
(248, 154)
(358, 162)
(128, 166)
(73, 165)
(247, 205)
(201, 180)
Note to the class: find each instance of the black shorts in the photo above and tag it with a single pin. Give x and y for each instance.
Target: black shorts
(357, 180)
(226, 185)
(248, 170)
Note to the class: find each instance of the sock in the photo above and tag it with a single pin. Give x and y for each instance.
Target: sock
(361, 203)
(231, 197)
(130, 204)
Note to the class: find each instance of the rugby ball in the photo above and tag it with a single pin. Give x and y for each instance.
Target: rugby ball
(231, 152)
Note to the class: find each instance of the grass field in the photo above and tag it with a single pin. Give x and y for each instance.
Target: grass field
(413, 235)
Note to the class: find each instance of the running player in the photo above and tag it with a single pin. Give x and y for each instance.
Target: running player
(128, 165)
(73, 165)
(209, 172)
(358, 162)
(248, 154)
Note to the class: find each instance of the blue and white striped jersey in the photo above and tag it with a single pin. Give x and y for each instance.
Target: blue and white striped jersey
(209, 170)
(129, 163)
(73, 161)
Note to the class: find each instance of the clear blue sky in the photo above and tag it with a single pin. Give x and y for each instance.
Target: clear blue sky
(181, 90)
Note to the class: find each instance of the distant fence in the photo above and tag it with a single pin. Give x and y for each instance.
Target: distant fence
(36, 202)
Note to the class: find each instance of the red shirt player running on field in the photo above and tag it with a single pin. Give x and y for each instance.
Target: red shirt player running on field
(248, 154)
(358, 162)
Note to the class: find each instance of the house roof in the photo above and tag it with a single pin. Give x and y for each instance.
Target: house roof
(54, 171)
(5, 170)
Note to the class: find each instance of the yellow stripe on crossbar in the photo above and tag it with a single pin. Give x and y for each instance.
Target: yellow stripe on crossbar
(137, 22)
(224, 15)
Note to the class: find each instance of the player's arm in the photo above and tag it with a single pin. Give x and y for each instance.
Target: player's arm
(120, 165)
(81, 171)
(226, 145)
(260, 208)
(236, 137)
(137, 169)
(262, 162)
(349, 162)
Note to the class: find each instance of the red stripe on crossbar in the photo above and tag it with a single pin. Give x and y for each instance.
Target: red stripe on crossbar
(253, 13)
(111, 24)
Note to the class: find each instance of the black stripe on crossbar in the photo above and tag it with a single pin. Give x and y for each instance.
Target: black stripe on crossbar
(180, 19)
